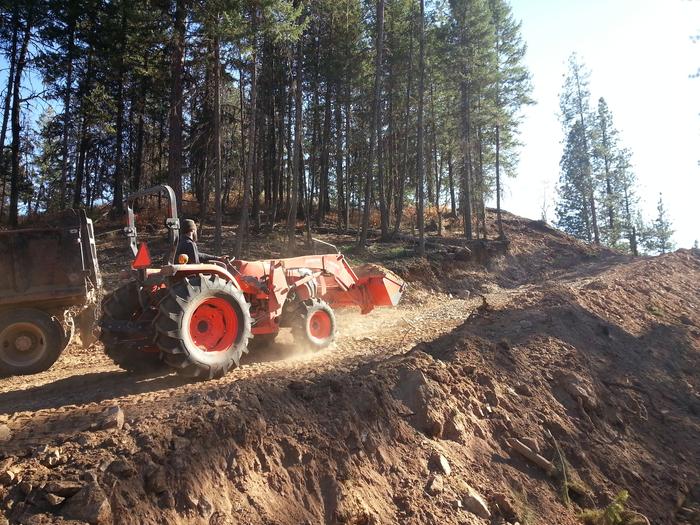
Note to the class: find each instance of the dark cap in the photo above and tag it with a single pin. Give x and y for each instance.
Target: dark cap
(188, 225)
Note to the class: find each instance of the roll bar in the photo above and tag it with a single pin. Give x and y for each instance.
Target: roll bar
(172, 222)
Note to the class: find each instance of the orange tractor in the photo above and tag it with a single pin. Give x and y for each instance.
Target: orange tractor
(199, 318)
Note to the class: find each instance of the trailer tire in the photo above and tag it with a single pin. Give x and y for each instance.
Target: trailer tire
(203, 326)
(30, 341)
(313, 324)
(123, 305)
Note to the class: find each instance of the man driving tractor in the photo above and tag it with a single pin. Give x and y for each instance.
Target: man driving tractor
(188, 245)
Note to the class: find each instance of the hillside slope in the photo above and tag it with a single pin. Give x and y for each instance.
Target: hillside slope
(581, 355)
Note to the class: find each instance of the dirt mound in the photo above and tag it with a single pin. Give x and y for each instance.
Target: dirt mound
(525, 392)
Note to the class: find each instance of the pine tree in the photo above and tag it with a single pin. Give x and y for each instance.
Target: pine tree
(576, 114)
(625, 186)
(375, 126)
(660, 233)
(473, 43)
(512, 92)
(48, 160)
(605, 151)
(420, 163)
(573, 210)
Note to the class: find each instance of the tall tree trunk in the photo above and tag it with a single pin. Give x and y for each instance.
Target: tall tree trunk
(389, 149)
(434, 157)
(466, 195)
(297, 158)
(177, 52)
(243, 222)
(315, 130)
(340, 183)
(420, 163)
(140, 132)
(84, 139)
(118, 201)
(217, 141)
(241, 103)
(402, 178)
(323, 194)
(498, 183)
(479, 194)
(66, 113)
(381, 177)
(608, 190)
(587, 166)
(262, 144)
(348, 158)
(7, 107)
(80, 168)
(632, 231)
(375, 122)
(450, 174)
(16, 101)
(278, 177)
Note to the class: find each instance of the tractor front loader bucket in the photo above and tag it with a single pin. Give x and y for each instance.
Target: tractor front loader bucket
(381, 287)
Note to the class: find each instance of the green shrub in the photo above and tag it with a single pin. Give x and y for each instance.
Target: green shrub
(614, 514)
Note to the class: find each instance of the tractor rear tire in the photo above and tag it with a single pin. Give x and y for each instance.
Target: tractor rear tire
(313, 324)
(203, 326)
(30, 341)
(123, 305)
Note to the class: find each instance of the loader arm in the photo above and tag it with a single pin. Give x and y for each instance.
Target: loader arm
(328, 277)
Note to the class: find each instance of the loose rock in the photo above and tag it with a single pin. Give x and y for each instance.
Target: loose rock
(205, 508)
(455, 428)
(64, 488)
(5, 433)
(112, 417)
(435, 485)
(166, 500)
(532, 443)
(475, 503)
(90, 504)
(52, 458)
(155, 480)
(525, 451)
(440, 463)
(121, 469)
(25, 487)
(504, 504)
(7, 476)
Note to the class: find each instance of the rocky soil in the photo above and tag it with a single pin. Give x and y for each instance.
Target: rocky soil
(524, 388)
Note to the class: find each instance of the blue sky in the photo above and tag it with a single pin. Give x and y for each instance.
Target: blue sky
(640, 56)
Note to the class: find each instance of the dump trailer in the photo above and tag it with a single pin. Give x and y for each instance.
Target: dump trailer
(200, 318)
(49, 286)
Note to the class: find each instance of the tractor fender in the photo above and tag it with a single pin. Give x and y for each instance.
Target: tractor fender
(183, 270)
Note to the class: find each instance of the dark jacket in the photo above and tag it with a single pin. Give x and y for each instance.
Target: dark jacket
(189, 248)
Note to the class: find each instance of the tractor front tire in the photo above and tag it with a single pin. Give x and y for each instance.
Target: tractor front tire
(203, 326)
(313, 324)
(30, 341)
(123, 305)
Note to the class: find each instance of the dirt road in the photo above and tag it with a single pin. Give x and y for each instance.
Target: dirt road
(42, 404)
